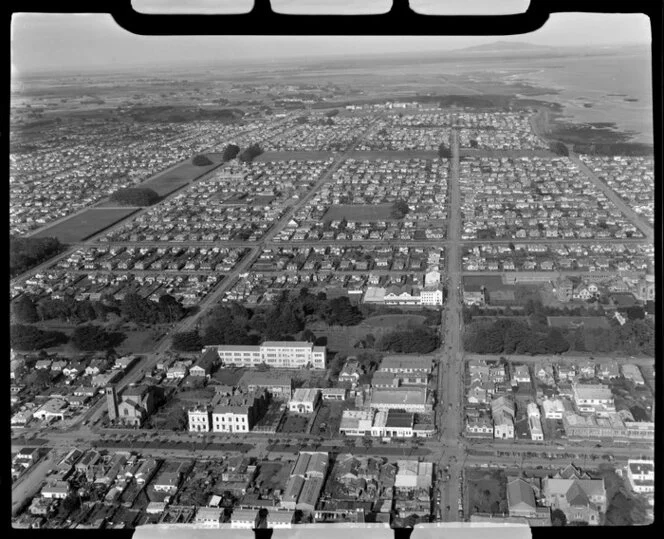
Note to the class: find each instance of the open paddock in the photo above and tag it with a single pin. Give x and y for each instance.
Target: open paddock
(84, 225)
(359, 212)
(295, 156)
(394, 154)
(178, 176)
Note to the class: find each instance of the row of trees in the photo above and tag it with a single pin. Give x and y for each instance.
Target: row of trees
(444, 151)
(25, 253)
(506, 336)
(86, 338)
(133, 308)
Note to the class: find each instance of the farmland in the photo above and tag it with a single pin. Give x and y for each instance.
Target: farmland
(85, 224)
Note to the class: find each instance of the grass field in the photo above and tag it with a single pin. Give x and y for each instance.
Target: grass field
(229, 376)
(394, 154)
(137, 342)
(343, 339)
(468, 152)
(299, 156)
(486, 491)
(394, 320)
(86, 224)
(294, 423)
(176, 177)
(359, 212)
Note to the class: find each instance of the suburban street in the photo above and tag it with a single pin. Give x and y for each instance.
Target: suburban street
(450, 365)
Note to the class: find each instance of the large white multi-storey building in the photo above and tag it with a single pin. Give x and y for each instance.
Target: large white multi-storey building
(283, 354)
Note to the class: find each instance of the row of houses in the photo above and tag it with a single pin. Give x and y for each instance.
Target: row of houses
(74, 166)
(532, 197)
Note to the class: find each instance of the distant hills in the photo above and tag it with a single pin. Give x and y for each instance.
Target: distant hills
(507, 46)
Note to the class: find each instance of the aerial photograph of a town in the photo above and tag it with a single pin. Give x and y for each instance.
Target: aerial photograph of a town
(264, 281)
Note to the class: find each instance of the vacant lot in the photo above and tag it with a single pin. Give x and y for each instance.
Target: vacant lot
(299, 156)
(359, 212)
(86, 224)
(330, 413)
(174, 178)
(395, 154)
(294, 423)
(229, 376)
(273, 475)
(486, 491)
(394, 320)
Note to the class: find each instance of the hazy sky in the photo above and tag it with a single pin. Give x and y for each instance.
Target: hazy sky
(95, 41)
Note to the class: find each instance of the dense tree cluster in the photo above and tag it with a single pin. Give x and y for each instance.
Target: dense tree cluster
(558, 148)
(26, 338)
(399, 209)
(332, 112)
(230, 152)
(285, 319)
(134, 308)
(187, 341)
(201, 161)
(135, 196)
(90, 338)
(444, 151)
(416, 339)
(25, 253)
(508, 336)
(248, 154)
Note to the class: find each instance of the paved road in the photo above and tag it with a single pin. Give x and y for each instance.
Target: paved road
(628, 212)
(451, 361)
(368, 242)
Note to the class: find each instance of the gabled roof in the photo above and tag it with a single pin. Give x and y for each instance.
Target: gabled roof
(519, 492)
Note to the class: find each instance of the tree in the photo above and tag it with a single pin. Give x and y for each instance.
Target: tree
(558, 518)
(250, 153)
(25, 253)
(202, 161)
(135, 196)
(26, 338)
(261, 518)
(444, 151)
(399, 209)
(308, 335)
(24, 310)
(187, 341)
(559, 148)
(172, 310)
(230, 152)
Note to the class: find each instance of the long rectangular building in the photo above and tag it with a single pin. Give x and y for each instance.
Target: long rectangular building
(279, 354)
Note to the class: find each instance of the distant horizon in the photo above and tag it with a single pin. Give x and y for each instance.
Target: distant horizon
(46, 42)
(181, 65)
